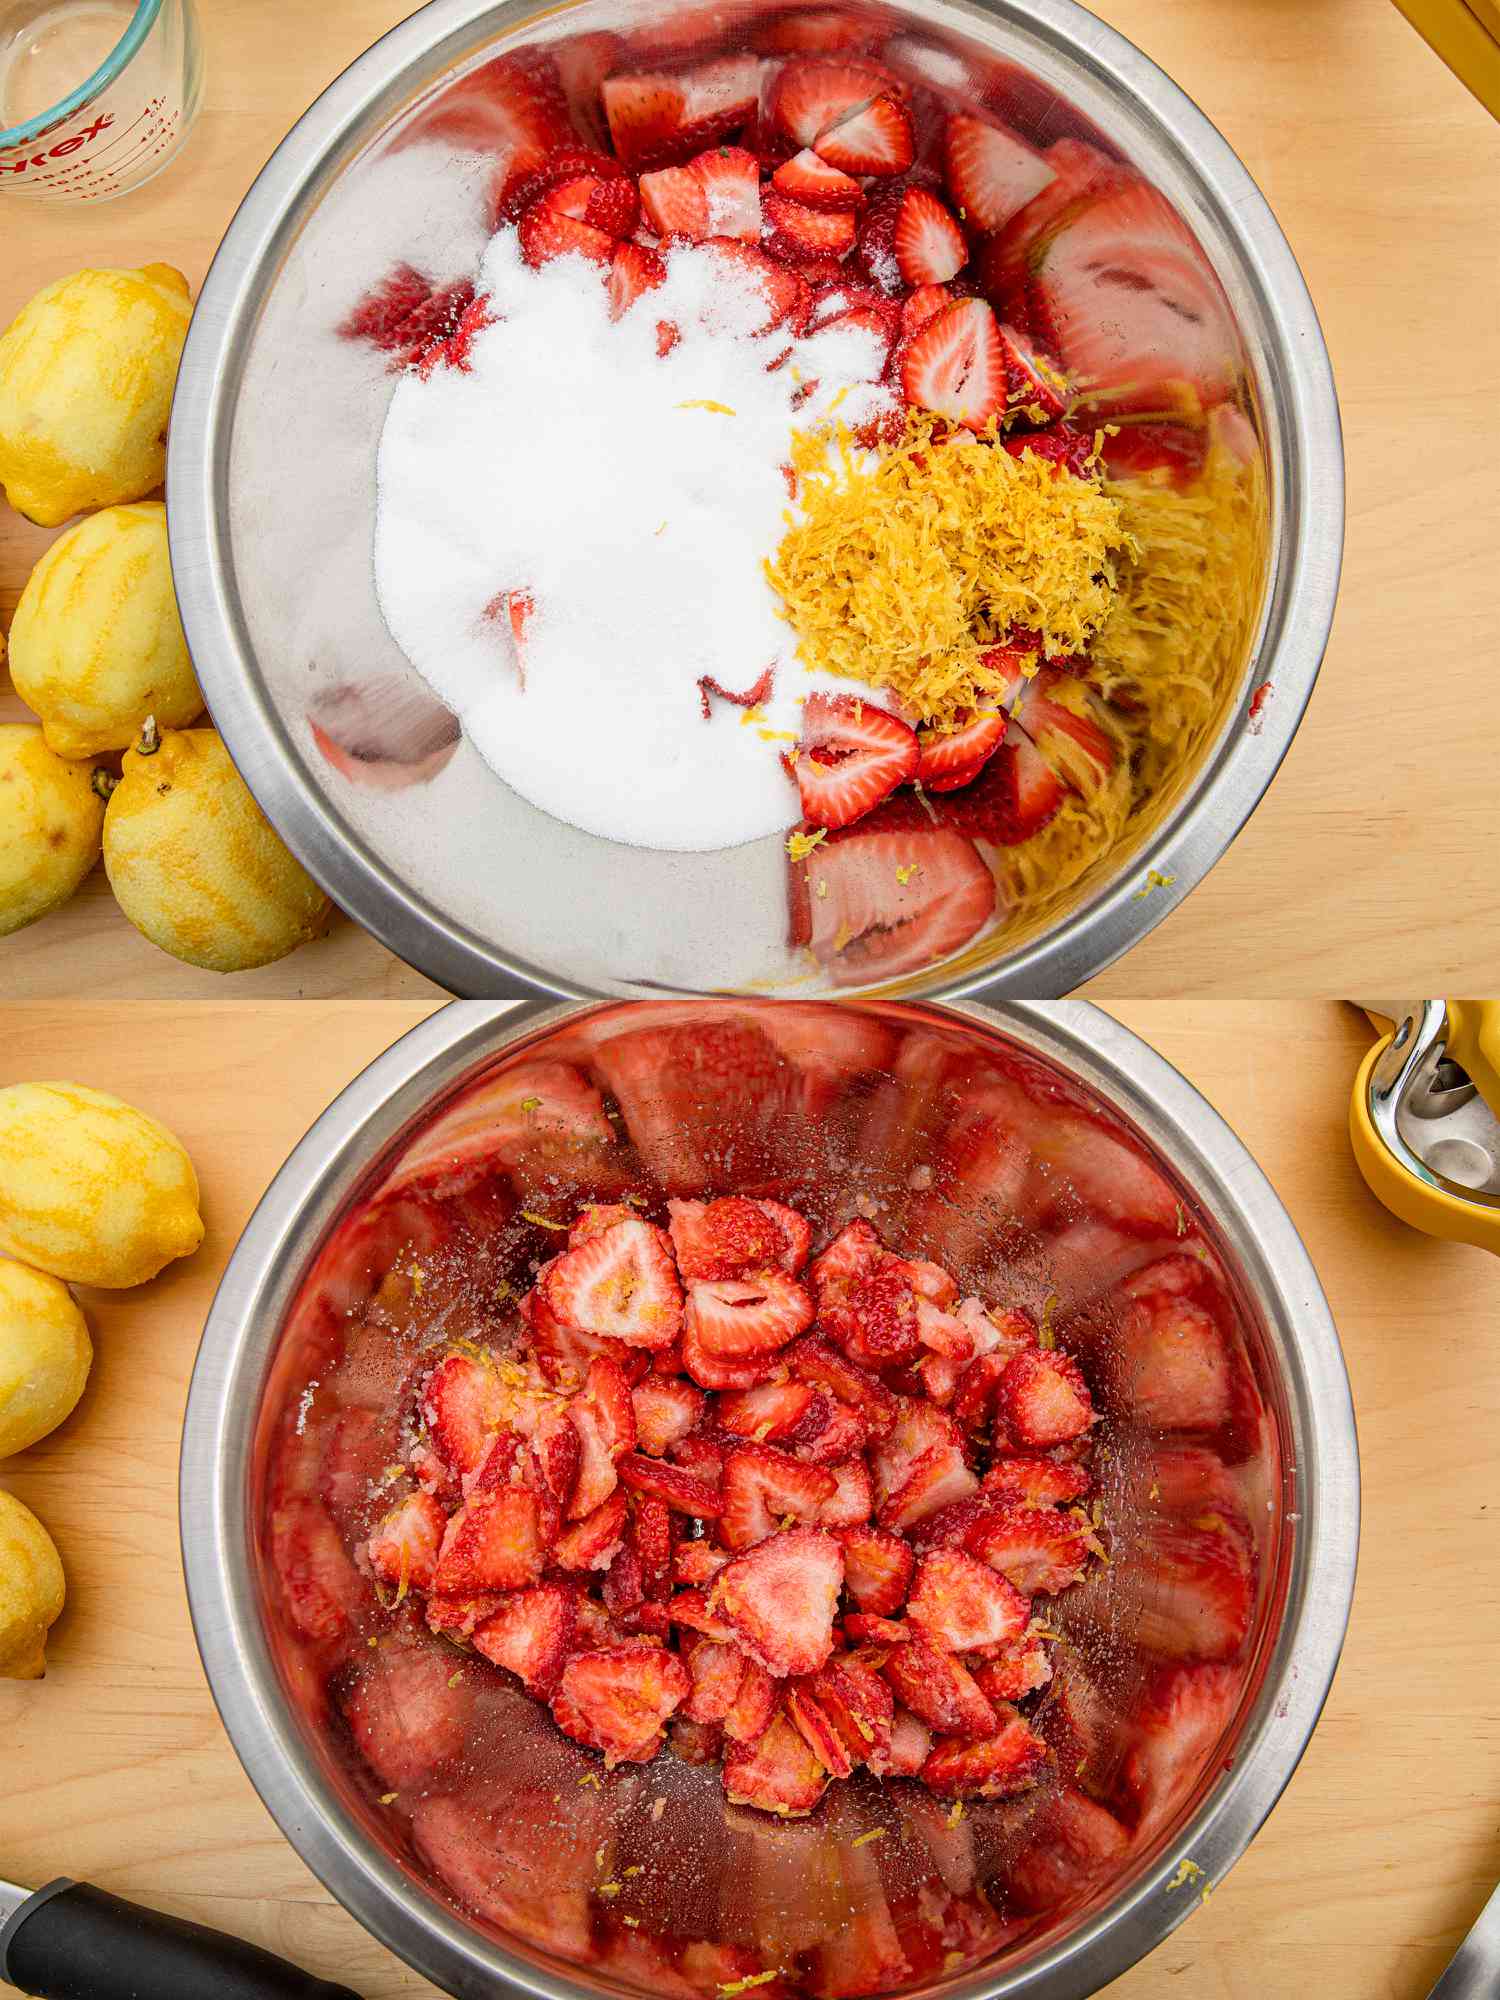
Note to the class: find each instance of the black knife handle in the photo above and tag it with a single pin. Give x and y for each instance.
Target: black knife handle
(72, 1942)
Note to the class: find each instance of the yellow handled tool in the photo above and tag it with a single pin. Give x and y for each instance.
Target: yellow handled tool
(1466, 35)
(1424, 1119)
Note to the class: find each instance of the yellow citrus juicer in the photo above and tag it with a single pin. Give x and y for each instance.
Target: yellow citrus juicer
(1424, 1119)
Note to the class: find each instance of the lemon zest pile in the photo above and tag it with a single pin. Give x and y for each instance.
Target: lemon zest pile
(905, 566)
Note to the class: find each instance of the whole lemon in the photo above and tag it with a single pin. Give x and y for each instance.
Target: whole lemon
(86, 375)
(51, 822)
(96, 644)
(196, 865)
(91, 1189)
(45, 1355)
(31, 1591)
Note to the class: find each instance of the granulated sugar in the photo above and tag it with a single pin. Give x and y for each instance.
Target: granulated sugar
(633, 497)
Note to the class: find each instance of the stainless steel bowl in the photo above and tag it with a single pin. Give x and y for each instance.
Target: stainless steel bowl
(876, 1093)
(271, 501)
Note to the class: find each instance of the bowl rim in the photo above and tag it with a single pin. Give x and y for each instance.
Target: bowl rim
(272, 1257)
(1305, 496)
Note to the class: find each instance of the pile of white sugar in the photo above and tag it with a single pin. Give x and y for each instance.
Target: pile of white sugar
(576, 464)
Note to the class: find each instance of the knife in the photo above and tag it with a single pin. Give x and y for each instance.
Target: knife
(1474, 1970)
(71, 1942)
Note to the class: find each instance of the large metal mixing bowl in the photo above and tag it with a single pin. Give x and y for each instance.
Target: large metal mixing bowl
(894, 1105)
(271, 495)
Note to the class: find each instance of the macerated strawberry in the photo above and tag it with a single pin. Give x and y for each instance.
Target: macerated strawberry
(815, 1361)
(666, 1409)
(532, 1635)
(762, 1486)
(496, 1541)
(829, 1433)
(595, 1541)
(946, 1528)
(943, 1333)
(624, 1586)
(597, 1216)
(955, 365)
(858, 1704)
(1039, 1550)
(1041, 1482)
(702, 1456)
(462, 1405)
(617, 1699)
(735, 1319)
(856, 1248)
(807, 179)
(963, 1606)
(695, 1564)
(1200, 1590)
(660, 117)
(781, 1597)
(621, 1284)
(716, 1672)
(1001, 1767)
(675, 1488)
(1181, 1717)
(807, 233)
(730, 179)
(991, 173)
(456, 1617)
(1019, 1670)
(908, 1750)
(1043, 1399)
(405, 1713)
(796, 1230)
(915, 1429)
(974, 1393)
(604, 1418)
(937, 1478)
(753, 1706)
(403, 1549)
(652, 1534)
(816, 1728)
(879, 139)
(777, 1772)
(693, 1609)
(728, 1238)
(714, 1371)
(850, 756)
(546, 233)
(634, 268)
(939, 1689)
(865, 1627)
(877, 1568)
(1162, 454)
(696, 1742)
(770, 1414)
(953, 754)
(927, 243)
(853, 1498)
(558, 1451)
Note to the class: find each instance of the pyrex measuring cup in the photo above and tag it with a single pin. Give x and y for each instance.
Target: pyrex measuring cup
(96, 96)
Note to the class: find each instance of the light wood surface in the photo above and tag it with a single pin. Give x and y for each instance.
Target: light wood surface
(1385, 173)
(114, 1769)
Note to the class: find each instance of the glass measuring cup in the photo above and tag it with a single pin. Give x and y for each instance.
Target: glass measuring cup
(96, 96)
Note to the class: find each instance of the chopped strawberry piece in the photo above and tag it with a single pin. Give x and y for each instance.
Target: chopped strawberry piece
(991, 173)
(781, 1598)
(1040, 1551)
(558, 1451)
(1004, 1765)
(963, 1606)
(610, 203)
(864, 1626)
(562, 164)
(692, 1608)
(830, 1433)
(1040, 1482)
(762, 1486)
(720, 1372)
(908, 1750)
(617, 1699)
(1036, 385)
(405, 1713)
(404, 1547)
(661, 117)
(816, 1728)
(937, 1478)
(496, 1541)
(785, 293)
(856, 1249)
(604, 1417)
(947, 1527)
(853, 1499)
(939, 1689)
(928, 244)
(858, 1704)
(624, 1587)
(943, 1333)
(532, 1635)
(955, 365)
(797, 232)
(974, 1394)
(877, 1568)
(851, 755)
(1020, 1670)
(666, 1409)
(778, 1772)
(1199, 1590)
(546, 233)
(652, 1535)
(651, 1619)
(875, 1317)
(876, 902)
(769, 1414)
(796, 1233)
(809, 98)
(816, 1361)
(729, 1238)
(596, 1540)
(921, 305)
(675, 1488)
(462, 1406)
(876, 140)
(1043, 1399)
(952, 756)
(733, 1319)
(597, 1216)
(633, 269)
(675, 202)
(702, 1456)
(716, 1673)
(696, 1563)
(730, 179)
(806, 179)
(753, 1705)
(621, 1283)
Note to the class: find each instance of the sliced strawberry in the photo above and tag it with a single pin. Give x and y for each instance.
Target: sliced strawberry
(734, 1319)
(651, 1620)
(963, 1606)
(728, 1238)
(458, 1617)
(595, 1541)
(1057, 444)
(1043, 1399)
(716, 1672)
(693, 1609)
(916, 1429)
(652, 1535)
(720, 1372)
(1076, 1844)
(1040, 1482)
(877, 321)
(1034, 384)
(404, 1547)
(695, 1564)
(856, 1249)
(682, 1491)
(675, 202)
(546, 233)
(496, 1541)
(785, 293)
(947, 1527)
(1108, 1174)
(955, 365)
(942, 1333)
(702, 1456)
(1040, 1551)
(922, 305)
(858, 1704)
(876, 140)
(875, 1318)
(762, 1486)
(806, 179)
(813, 31)
(624, 1587)
(1004, 1765)
(666, 1409)
(696, 1742)
(816, 1727)
(662, 117)
(622, 1284)
(815, 1361)
(830, 1433)
(382, 315)
(877, 1569)
(1020, 1670)
(928, 244)
(778, 1773)
(800, 232)
(1057, 713)
(617, 1699)
(462, 1406)
(633, 269)
(604, 1418)
(853, 1499)
(730, 179)
(938, 1478)
(532, 1635)
(939, 1689)
(807, 99)
(561, 165)
(851, 755)
(1200, 1587)
(975, 1391)
(866, 1627)
(991, 173)
(908, 1750)
(1016, 794)
(610, 203)
(405, 1713)
(796, 1232)
(753, 1706)
(781, 1598)
(769, 1414)
(952, 755)
(558, 1452)
(875, 904)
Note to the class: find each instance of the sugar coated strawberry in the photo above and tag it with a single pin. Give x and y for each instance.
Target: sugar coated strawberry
(1003, 1765)
(762, 1487)
(531, 1634)
(1043, 1399)
(727, 1238)
(877, 1569)
(939, 1689)
(732, 1319)
(496, 1541)
(781, 1597)
(778, 1772)
(403, 1549)
(1038, 1550)
(617, 1699)
(963, 1606)
(621, 1283)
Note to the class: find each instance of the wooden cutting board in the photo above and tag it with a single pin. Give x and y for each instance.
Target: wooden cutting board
(114, 1769)
(1385, 175)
